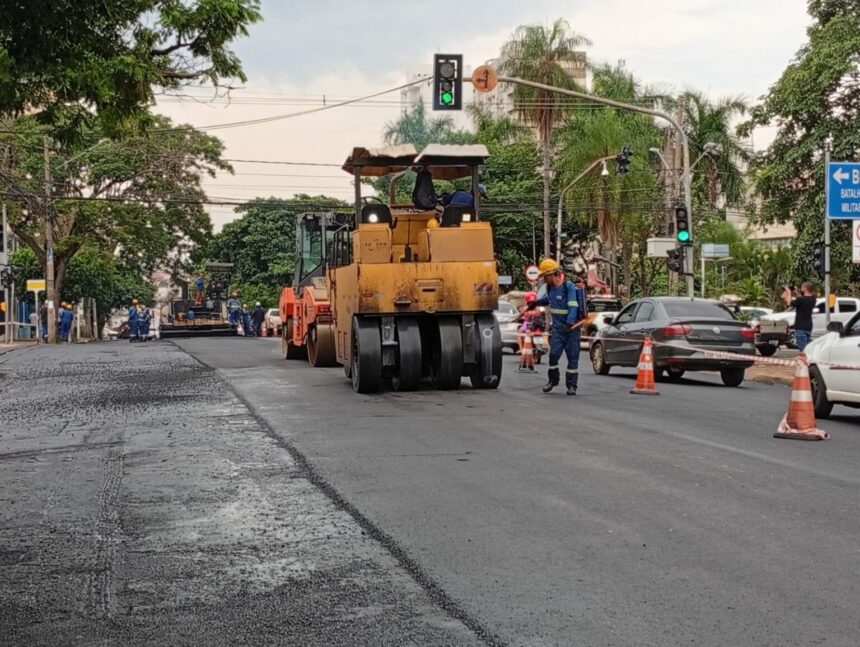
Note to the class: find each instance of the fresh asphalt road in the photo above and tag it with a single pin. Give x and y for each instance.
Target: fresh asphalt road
(604, 519)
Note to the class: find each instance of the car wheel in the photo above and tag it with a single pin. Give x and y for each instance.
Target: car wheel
(767, 350)
(675, 373)
(598, 359)
(822, 405)
(732, 376)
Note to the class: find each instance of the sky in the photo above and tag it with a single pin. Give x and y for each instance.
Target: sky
(304, 53)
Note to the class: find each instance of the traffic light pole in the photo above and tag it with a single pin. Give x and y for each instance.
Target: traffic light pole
(827, 147)
(558, 250)
(682, 136)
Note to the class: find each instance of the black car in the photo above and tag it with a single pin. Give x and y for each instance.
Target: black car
(681, 328)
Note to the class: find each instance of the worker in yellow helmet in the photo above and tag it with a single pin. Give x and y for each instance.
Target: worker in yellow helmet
(563, 299)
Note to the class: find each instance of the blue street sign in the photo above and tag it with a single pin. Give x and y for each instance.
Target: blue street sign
(843, 190)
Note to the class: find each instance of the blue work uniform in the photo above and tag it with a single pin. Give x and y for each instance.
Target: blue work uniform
(246, 322)
(66, 319)
(133, 324)
(564, 306)
(460, 197)
(143, 323)
(233, 308)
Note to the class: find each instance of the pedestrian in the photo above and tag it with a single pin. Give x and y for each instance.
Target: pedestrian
(43, 321)
(34, 323)
(143, 319)
(199, 286)
(69, 320)
(462, 197)
(246, 320)
(133, 323)
(562, 298)
(234, 306)
(803, 305)
(257, 318)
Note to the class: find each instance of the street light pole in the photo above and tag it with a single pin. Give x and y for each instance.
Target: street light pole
(50, 295)
(682, 137)
(570, 185)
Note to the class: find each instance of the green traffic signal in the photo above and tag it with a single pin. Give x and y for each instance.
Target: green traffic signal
(447, 98)
(684, 236)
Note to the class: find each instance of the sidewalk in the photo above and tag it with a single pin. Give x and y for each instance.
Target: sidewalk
(8, 348)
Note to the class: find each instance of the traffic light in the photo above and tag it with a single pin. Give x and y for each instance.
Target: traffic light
(682, 226)
(817, 260)
(622, 161)
(675, 260)
(447, 81)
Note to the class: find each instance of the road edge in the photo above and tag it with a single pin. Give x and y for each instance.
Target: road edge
(421, 577)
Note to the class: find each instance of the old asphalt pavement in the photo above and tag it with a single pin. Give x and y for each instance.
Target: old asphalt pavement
(152, 499)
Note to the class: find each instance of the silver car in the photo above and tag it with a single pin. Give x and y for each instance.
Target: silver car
(505, 315)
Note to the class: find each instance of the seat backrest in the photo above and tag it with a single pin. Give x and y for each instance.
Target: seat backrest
(453, 214)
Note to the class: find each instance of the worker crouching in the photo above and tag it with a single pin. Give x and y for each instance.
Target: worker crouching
(563, 300)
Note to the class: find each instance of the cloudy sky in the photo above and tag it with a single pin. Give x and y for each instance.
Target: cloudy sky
(306, 52)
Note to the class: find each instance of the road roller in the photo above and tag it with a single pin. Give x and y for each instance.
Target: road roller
(412, 287)
(308, 330)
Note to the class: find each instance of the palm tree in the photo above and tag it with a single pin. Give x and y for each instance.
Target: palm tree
(414, 127)
(538, 53)
(708, 122)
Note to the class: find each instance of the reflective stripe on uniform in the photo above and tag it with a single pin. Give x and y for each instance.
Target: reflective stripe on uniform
(572, 370)
(551, 366)
(558, 311)
(574, 304)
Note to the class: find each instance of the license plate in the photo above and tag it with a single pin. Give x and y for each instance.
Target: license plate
(773, 342)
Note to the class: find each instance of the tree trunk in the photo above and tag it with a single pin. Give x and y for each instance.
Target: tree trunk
(546, 187)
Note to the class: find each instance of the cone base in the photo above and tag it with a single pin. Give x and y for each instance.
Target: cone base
(644, 392)
(815, 434)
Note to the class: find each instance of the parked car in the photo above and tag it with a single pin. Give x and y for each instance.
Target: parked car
(600, 310)
(835, 385)
(777, 329)
(689, 325)
(272, 322)
(505, 316)
(752, 314)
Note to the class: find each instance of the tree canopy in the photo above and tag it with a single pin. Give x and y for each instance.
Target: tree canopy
(70, 61)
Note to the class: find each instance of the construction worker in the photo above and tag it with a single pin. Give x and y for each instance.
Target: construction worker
(43, 321)
(246, 320)
(67, 316)
(133, 322)
(463, 197)
(562, 298)
(199, 287)
(234, 306)
(257, 317)
(143, 319)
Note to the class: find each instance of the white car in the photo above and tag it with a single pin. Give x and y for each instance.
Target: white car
(601, 310)
(833, 384)
(505, 316)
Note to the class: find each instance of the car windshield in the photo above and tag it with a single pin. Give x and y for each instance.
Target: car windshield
(272, 312)
(695, 309)
(507, 308)
(605, 305)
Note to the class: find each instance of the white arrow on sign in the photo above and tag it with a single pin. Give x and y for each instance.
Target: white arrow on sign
(841, 175)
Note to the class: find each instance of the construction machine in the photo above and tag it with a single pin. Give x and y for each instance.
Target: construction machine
(408, 290)
(184, 317)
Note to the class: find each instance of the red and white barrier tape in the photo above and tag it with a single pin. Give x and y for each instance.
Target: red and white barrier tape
(773, 361)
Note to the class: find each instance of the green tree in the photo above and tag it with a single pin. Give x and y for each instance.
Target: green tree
(543, 55)
(261, 244)
(72, 61)
(92, 274)
(626, 209)
(139, 198)
(719, 171)
(817, 97)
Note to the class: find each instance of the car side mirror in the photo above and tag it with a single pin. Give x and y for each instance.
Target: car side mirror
(609, 320)
(836, 326)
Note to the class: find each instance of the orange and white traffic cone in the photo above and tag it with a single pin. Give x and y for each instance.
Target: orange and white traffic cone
(645, 379)
(527, 354)
(798, 423)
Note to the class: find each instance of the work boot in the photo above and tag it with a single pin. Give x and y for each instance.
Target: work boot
(571, 390)
(549, 386)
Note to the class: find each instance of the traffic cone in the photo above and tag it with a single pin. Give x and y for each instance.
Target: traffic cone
(527, 354)
(798, 423)
(645, 379)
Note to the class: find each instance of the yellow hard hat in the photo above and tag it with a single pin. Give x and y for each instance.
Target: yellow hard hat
(548, 266)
